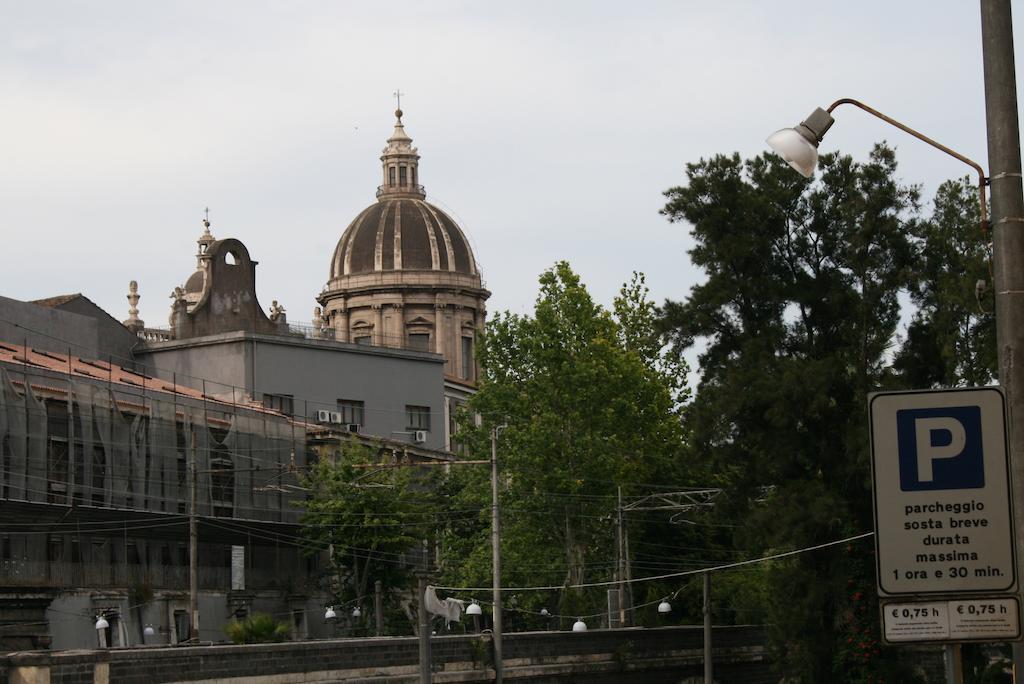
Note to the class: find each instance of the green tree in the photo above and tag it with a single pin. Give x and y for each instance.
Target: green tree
(798, 312)
(371, 515)
(951, 340)
(589, 403)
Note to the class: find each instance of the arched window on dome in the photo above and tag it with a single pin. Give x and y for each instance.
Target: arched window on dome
(418, 334)
(362, 332)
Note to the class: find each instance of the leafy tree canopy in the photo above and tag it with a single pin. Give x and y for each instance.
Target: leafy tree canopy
(799, 314)
(589, 402)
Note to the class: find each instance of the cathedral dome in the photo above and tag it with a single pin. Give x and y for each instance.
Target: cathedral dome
(403, 274)
(402, 233)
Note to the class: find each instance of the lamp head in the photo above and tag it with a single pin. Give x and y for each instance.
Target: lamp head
(356, 612)
(101, 622)
(148, 631)
(579, 625)
(473, 609)
(544, 612)
(799, 146)
(330, 614)
(665, 607)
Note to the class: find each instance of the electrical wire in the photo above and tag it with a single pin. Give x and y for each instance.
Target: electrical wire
(670, 575)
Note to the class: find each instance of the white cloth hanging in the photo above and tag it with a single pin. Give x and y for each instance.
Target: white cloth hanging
(450, 608)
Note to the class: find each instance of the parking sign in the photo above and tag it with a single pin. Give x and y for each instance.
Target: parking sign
(941, 487)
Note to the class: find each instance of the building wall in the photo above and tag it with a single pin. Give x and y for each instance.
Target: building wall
(112, 338)
(92, 498)
(624, 656)
(48, 329)
(385, 381)
(315, 373)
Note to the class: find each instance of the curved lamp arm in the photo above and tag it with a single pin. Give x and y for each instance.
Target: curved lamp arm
(982, 180)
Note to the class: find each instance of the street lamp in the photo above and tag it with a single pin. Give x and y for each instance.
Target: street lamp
(799, 145)
(329, 614)
(579, 625)
(473, 609)
(664, 606)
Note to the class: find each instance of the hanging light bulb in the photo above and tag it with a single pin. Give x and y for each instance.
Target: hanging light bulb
(148, 631)
(473, 609)
(101, 622)
(356, 612)
(579, 625)
(330, 614)
(664, 606)
(544, 612)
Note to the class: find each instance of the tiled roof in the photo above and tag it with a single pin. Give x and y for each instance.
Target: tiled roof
(53, 302)
(110, 373)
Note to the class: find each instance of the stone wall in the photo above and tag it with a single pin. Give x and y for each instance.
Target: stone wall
(669, 654)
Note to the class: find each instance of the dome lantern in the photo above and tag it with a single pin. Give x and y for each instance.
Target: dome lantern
(400, 162)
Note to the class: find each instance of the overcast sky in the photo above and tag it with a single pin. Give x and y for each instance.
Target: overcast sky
(548, 129)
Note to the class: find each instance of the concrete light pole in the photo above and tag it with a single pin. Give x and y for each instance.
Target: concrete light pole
(1007, 238)
(496, 555)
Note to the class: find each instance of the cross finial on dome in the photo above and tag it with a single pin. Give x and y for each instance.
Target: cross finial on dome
(398, 103)
(206, 238)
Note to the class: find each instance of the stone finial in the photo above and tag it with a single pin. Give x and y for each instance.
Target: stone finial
(206, 239)
(134, 322)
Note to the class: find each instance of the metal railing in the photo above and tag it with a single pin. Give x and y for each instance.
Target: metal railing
(408, 187)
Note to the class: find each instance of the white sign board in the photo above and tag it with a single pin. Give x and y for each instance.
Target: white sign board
(941, 486)
(983, 619)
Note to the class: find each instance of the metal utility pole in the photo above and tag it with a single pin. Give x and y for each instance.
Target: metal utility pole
(620, 542)
(378, 606)
(496, 555)
(1007, 237)
(424, 631)
(193, 548)
(709, 661)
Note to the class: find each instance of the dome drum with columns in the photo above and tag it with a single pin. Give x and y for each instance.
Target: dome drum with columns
(403, 274)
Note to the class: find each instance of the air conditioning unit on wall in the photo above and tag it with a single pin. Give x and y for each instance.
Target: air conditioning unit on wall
(353, 427)
(419, 436)
(323, 416)
(336, 417)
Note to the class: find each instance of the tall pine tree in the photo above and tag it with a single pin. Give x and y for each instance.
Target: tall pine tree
(798, 314)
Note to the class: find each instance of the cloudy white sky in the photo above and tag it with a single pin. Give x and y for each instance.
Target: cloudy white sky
(549, 129)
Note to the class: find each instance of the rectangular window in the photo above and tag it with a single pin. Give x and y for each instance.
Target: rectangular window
(285, 403)
(55, 548)
(417, 417)
(5, 548)
(363, 339)
(467, 358)
(402, 177)
(351, 411)
(182, 466)
(391, 175)
(419, 342)
(57, 451)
